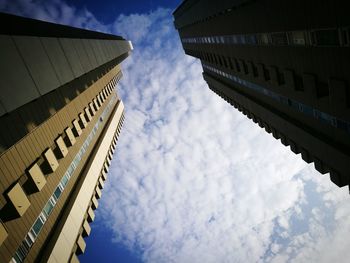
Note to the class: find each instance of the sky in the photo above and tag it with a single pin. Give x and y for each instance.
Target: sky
(192, 179)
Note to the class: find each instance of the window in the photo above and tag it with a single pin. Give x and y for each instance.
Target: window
(38, 224)
(25, 245)
(230, 63)
(326, 37)
(234, 39)
(227, 39)
(345, 36)
(280, 77)
(250, 39)
(263, 39)
(279, 39)
(48, 208)
(220, 61)
(18, 257)
(245, 68)
(266, 74)
(325, 117)
(224, 60)
(306, 109)
(64, 181)
(237, 66)
(343, 125)
(241, 39)
(57, 192)
(297, 38)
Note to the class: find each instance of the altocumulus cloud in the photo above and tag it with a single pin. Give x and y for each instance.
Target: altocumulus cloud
(193, 180)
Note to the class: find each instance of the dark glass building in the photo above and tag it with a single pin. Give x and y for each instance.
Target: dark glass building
(60, 118)
(284, 64)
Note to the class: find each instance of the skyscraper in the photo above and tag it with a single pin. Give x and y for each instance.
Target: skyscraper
(60, 118)
(284, 64)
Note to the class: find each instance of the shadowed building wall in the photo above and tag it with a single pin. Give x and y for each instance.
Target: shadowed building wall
(284, 64)
(60, 118)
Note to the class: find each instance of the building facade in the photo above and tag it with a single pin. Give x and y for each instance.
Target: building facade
(60, 119)
(284, 64)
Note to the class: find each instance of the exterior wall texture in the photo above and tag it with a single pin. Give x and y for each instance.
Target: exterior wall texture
(283, 64)
(57, 137)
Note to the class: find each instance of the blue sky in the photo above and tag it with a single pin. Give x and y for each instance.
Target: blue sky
(110, 9)
(193, 180)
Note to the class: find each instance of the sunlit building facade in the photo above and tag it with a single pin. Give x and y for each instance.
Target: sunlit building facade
(60, 119)
(284, 64)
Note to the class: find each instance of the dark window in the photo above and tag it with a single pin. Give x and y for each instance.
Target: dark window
(215, 59)
(234, 39)
(345, 37)
(279, 39)
(294, 104)
(241, 39)
(327, 37)
(251, 39)
(37, 226)
(245, 68)
(230, 63)
(266, 74)
(343, 125)
(255, 70)
(237, 66)
(298, 83)
(57, 192)
(322, 89)
(297, 38)
(263, 39)
(225, 63)
(220, 61)
(280, 77)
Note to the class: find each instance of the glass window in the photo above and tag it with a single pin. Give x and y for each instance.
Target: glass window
(345, 36)
(306, 109)
(48, 208)
(264, 39)
(17, 257)
(234, 39)
(328, 37)
(37, 226)
(294, 104)
(26, 246)
(57, 192)
(250, 39)
(284, 100)
(325, 117)
(266, 74)
(297, 38)
(64, 181)
(279, 39)
(31, 236)
(343, 125)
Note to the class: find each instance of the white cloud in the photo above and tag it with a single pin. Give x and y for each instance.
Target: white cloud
(196, 181)
(57, 11)
(193, 180)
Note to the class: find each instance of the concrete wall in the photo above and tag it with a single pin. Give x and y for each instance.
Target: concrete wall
(31, 67)
(70, 229)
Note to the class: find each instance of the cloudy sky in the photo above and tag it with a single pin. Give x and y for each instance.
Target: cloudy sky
(193, 180)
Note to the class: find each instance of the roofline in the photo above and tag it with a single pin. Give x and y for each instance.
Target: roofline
(177, 9)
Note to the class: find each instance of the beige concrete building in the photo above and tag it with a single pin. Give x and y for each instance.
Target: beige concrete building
(60, 118)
